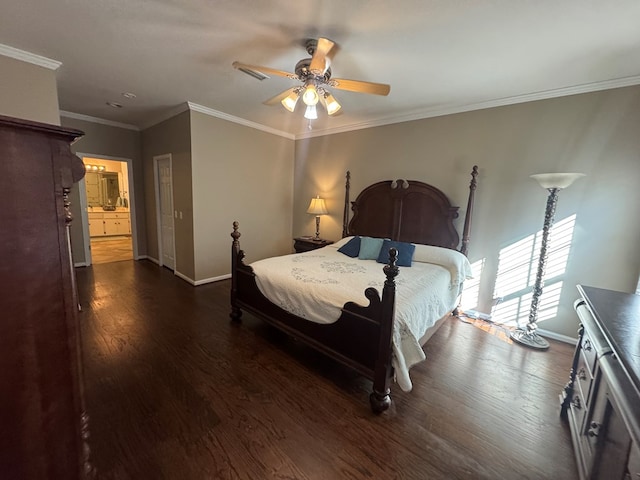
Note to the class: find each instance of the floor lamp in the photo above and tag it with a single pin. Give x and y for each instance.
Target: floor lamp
(553, 182)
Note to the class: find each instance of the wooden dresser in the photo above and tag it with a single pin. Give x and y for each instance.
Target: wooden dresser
(602, 399)
(42, 421)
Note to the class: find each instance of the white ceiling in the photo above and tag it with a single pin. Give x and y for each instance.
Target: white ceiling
(439, 56)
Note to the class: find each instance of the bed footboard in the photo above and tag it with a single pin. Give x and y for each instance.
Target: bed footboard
(372, 325)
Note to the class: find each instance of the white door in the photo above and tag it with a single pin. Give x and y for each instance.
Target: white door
(165, 211)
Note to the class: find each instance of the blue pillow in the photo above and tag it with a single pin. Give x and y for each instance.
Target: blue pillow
(405, 252)
(351, 248)
(369, 248)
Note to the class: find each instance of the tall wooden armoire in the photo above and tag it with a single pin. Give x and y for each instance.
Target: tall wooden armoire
(43, 426)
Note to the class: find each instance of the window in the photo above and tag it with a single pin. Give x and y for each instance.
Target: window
(517, 270)
(471, 292)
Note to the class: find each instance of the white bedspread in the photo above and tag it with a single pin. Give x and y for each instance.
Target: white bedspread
(315, 285)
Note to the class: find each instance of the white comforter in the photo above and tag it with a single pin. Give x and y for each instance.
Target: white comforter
(315, 285)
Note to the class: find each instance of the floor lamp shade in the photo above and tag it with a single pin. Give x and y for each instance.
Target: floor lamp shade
(553, 183)
(317, 207)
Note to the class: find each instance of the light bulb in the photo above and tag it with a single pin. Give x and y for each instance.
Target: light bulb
(311, 113)
(310, 95)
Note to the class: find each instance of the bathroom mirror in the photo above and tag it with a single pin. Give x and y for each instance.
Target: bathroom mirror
(102, 188)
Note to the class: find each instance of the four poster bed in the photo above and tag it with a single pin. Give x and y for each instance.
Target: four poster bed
(317, 297)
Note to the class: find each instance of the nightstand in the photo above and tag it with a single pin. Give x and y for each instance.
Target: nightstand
(306, 244)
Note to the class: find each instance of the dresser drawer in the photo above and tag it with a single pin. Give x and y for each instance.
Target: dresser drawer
(588, 352)
(584, 378)
(593, 343)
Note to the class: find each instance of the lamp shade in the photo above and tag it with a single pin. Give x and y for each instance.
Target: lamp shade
(556, 180)
(290, 101)
(332, 104)
(311, 112)
(317, 206)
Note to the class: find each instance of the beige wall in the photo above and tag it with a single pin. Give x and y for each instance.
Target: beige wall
(595, 133)
(171, 136)
(109, 141)
(28, 91)
(243, 174)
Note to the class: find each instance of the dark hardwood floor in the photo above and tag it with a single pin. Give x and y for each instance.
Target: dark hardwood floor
(175, 391)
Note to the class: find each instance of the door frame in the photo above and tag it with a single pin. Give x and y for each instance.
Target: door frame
(156, 185)
(85, 214)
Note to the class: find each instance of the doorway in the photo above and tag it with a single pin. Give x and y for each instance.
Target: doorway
(106, 196)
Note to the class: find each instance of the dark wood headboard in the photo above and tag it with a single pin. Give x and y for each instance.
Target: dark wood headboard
(408, 211)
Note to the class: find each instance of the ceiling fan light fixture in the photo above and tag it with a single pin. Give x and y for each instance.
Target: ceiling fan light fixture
(332, 104)
(310, 96)
(311, 113)
(290, 101)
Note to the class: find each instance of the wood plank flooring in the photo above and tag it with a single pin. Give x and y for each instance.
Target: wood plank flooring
(175, 391)
(111, 249)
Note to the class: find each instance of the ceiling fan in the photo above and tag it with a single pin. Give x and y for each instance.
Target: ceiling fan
(315, 75)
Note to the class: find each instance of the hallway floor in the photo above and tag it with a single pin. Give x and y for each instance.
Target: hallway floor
(111, 249)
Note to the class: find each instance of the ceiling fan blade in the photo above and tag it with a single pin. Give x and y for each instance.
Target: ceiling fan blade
(252, 69)
(360, 86)
(322, 56)
(279, 97)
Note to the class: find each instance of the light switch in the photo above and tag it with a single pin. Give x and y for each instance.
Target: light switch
(180, 214)
(175, 213)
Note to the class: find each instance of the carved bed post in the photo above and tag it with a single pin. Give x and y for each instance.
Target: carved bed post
(468, 214)
(236, 256)
(380, 399)
(345, 215)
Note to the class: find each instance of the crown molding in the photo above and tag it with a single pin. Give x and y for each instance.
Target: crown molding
(416, 115)
(500, 102)
(87, 118)
(29, 57)
(225, 116)
(172, 112)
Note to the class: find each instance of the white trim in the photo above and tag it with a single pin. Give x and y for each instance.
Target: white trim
(84, 221)
(416, 115)
(102, 121)
(29, 57)
(212, 279)
(147, 257)
(500, 102)
(156, 187)
(172, 112)
(557, 336)
(80, 264)
(230, 118)
(196, 283)
(184, 277)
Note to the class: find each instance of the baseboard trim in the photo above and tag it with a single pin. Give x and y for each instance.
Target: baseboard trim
(212, 279)
(184, 277)
(80, 264)
(557, 336)
(204, 281)
(147, 257)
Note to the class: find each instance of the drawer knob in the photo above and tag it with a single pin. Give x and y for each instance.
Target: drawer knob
(582, 374)
(587, 345)
(593, 429)
(576, 402)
